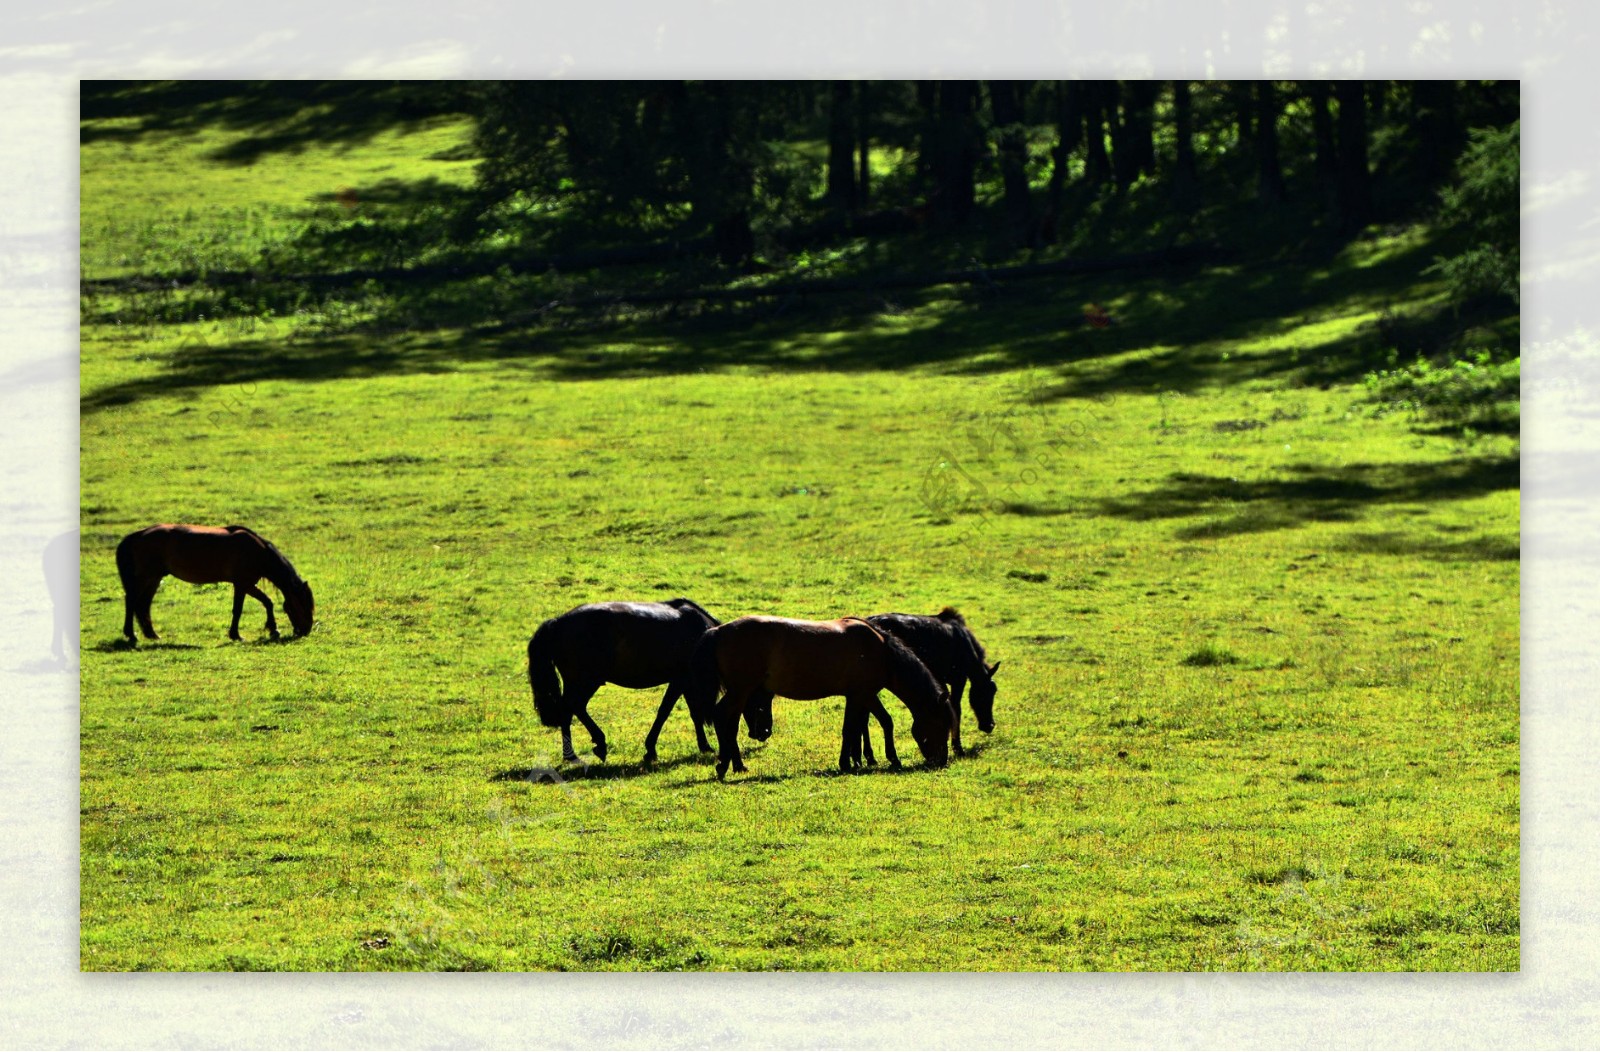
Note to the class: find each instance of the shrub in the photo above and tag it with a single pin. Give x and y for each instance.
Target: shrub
(1483, 202)
(1465, 391)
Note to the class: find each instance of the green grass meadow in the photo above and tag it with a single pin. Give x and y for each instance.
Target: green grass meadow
(1258, 704)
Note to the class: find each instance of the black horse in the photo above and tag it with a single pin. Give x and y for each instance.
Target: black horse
(635, 645)
(954, 656)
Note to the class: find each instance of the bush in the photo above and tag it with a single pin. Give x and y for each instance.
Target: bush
(1465, 391)
(1484, 203)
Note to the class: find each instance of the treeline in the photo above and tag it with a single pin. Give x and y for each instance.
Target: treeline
(733, 162)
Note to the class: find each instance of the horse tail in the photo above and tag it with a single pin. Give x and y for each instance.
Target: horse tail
(680, 602)
(547, 700)
(705, 679)
(129, 574)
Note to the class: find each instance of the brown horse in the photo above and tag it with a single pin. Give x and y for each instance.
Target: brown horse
(208, 555)
(753, 658)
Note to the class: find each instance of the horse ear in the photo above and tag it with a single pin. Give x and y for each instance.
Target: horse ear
(993, 669)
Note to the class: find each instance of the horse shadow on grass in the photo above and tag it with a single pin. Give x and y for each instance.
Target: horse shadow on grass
(120, 645)
(595, 770)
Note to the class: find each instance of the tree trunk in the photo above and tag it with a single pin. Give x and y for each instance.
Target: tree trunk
(1327, 156)
(1097, 163)
(720, 181)
(1135, 150)
(1355, 183)
(841, 191)
(863, 146)
(927, 133)
(1269, 172)
(1011, 139)
(1438, 132)
(1185, 172)
(1069, 133)
(957, 154)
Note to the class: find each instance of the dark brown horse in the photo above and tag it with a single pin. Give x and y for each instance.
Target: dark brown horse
(208, 555)
(954, 656)
(753, 658)
(635, 645)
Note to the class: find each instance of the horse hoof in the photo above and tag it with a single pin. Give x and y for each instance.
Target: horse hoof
(600, 750)
(722, 769)
(649, 758)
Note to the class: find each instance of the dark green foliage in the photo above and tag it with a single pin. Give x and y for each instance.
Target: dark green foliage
(1482, 203)
(1467, 391)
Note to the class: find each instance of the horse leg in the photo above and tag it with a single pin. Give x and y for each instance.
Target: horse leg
(129, 607)
(866, 736)
(726, 724)
(142, 605)
(855, 729)
(674, 691)
(578, 702)
(887, 724)
(956, 690)
(252, 590)
(846, 733)
(238, 608)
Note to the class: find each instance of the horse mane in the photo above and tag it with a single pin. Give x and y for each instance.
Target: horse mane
(952, 617)
(680, 602)
(979, 656)
(281, 561)
(905, 659)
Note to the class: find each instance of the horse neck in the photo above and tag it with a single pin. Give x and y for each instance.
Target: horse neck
(911, 689)
(977, 667)
(280, 573)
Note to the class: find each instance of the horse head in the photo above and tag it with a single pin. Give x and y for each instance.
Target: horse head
(758, 718)
(931, 733)
(982, 697)
(299, 604)
(925, 696)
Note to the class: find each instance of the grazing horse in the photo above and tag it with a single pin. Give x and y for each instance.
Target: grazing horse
(634, 645)
(954, 656)
(208, 555)
(753, 658)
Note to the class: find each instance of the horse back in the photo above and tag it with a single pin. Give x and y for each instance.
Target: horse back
(944, 644)
(803, 660)
(197, 554)
(631, 644)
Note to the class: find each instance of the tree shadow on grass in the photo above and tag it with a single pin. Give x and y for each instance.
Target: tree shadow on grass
(1393, 542)
(1314, 494)
(1188, 318)
(284, 116)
